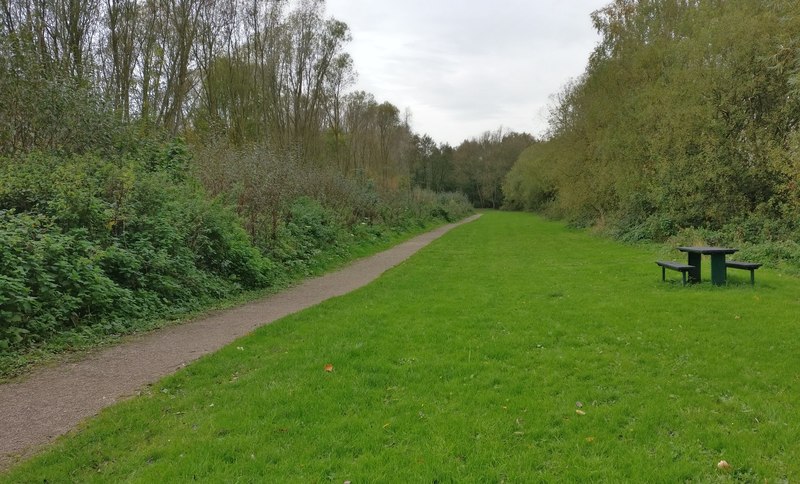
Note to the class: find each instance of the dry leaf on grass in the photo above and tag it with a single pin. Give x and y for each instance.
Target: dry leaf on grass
(580, 412)
(329, 368)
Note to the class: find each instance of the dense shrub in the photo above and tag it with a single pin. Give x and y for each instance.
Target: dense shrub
(92, 244)
(420, 204)
(87, 241)
(50, 279)
(758, 238)
(308, 230)
(263, 186)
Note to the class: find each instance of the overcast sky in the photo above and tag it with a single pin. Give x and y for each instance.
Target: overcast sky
(464, 67)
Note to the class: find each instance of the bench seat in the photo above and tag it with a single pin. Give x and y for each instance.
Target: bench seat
(675, 266)
(748, 266)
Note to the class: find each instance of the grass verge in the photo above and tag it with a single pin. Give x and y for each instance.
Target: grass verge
(70, 345)
(512, 349)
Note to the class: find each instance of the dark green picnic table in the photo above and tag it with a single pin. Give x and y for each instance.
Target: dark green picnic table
(718, 269)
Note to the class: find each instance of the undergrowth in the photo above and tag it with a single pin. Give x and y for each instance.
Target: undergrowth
(95, 247)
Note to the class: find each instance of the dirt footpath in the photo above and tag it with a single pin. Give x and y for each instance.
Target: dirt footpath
(51, 401)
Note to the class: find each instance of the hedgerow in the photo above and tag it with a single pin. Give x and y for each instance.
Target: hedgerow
(95, 245)
(87, 241)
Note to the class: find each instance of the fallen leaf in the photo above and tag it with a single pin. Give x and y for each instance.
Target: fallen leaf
(579, 404)
(580, 412)
(723, 464)
(329, 368)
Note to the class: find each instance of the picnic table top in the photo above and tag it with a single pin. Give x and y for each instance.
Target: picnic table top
(708, 250)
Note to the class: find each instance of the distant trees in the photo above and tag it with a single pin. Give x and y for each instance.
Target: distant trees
(432, 164)
(223, 74)
(476, 167)
(241, 72)
(481, 163)
(687, 116)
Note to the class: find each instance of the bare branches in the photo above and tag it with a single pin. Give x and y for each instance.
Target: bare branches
(266, 72)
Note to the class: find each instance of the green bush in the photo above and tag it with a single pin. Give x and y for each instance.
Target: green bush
(758, 240)
(419, 206)
(49, 280)
(308, 231)
(95, 245)
(87, 242)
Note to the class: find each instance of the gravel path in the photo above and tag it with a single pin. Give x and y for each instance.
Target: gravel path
(51, 401)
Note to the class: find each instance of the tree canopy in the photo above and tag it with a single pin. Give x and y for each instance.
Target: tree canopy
(686, 116)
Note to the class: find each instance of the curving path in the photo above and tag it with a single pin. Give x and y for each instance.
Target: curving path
(51, 401)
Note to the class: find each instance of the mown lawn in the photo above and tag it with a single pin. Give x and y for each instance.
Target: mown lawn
(473, 361)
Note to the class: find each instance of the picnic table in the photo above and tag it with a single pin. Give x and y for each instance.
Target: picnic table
(718, 267)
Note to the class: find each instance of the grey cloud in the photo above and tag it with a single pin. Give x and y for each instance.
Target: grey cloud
(462, 64)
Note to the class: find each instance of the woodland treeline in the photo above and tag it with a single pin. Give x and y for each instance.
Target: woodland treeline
(684, 125)
(267, 72)
(159, 155)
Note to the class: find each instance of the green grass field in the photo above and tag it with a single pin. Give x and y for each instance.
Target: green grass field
(513, 349)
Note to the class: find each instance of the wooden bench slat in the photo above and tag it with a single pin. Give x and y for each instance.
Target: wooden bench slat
(748, 266)
(742, 265)
(675, 266)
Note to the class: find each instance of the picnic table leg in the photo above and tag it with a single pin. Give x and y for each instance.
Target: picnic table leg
(694, 260)
(718, 269)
